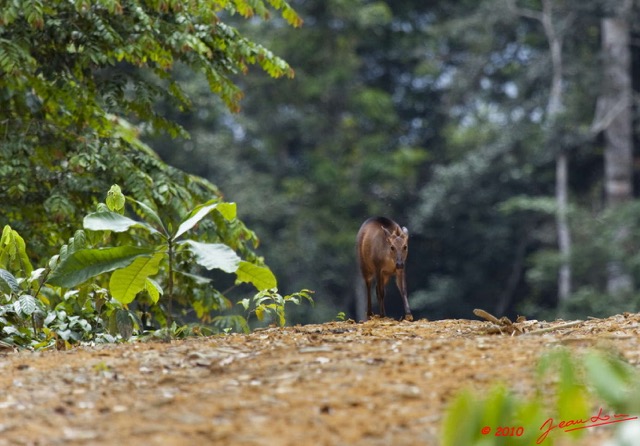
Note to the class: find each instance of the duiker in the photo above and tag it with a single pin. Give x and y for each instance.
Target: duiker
(382, 251)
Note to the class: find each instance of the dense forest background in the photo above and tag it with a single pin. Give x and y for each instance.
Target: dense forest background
(502, 133)
(454, 118)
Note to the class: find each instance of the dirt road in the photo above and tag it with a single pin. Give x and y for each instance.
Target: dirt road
(377, 383)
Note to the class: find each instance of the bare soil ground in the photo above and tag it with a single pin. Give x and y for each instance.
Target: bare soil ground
(381, 382)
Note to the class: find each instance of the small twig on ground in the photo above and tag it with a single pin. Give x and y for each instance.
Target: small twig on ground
(555, 327)
(501, 324)
(487, 316)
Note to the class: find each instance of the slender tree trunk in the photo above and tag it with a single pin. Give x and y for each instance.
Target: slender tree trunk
(554, 108)
(618, 153)
(562, 226)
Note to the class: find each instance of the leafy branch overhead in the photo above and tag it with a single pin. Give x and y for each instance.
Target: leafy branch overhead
(152, 36)
(81, 82)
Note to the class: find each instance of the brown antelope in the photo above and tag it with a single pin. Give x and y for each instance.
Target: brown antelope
(382, 250)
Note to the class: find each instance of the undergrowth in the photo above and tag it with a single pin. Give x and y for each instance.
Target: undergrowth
(573, 393)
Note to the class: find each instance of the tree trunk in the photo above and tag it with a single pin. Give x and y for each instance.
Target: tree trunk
(618, 153)
(562, 226)
(554, 108)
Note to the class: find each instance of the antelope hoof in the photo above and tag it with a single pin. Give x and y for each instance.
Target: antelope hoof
(408, 317)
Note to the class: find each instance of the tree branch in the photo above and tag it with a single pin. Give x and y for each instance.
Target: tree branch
(524, 12)
(604, 117)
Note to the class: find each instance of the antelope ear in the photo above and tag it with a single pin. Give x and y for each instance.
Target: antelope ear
(386, 231)
(405, 230)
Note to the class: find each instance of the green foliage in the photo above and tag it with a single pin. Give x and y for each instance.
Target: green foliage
(13, 254)
(72, 75)
(571, 391)
(269, 303)
(35, 315)
(127, 282)
(64, 303)
(543, 205)
(84, 264)
(260, 276)
(163, 249)
(596, 240)
(115, 199)
(614, 380)
(152, 36)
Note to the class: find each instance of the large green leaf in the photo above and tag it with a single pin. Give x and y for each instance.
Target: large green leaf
(27, 304)
(260, 276)
(13, 252)
(126, 282)
(112, 221)
(465, 406)
(115, 199)
(198, 280)
(154, 289)
(214, 255)
(612, 379)
(228, 211)
(87, 263)
(151, 214)
(8, 282)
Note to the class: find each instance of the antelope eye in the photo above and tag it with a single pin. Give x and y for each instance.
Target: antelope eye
(393, 248)
(404, 248)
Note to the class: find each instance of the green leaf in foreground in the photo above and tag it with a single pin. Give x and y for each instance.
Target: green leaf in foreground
(84, 264)
(260, 276)
(228, 211)
(149, 214)
(126, 282)
(214, 255)
(463, 405)
(112, 221)
(13, 254)
(617, 382)
(154, 289)
(8, 282)
(115, 199)
(27, 304)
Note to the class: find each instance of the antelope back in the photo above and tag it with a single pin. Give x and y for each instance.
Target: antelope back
(382, 242)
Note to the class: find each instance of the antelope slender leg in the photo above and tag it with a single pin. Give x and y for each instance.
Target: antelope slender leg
(368, 284)
(402, 287)
(381, 283)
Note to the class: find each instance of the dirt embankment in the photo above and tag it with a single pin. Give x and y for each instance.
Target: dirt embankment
(377, 383)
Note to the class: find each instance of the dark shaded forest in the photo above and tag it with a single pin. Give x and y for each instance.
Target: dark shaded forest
(502, 134)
